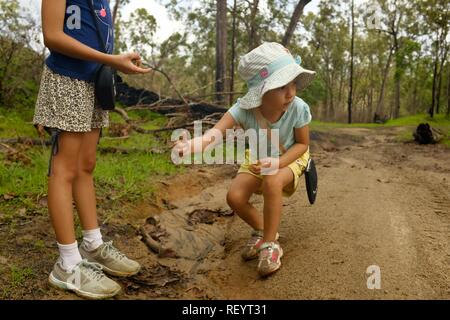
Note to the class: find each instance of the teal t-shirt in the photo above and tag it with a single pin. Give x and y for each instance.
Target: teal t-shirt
(297, 115)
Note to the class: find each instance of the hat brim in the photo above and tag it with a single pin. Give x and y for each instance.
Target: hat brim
(253, 98)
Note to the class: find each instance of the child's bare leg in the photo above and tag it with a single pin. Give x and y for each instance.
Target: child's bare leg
(83, 185)
(273, 201)
(64, 171)
(241, 189)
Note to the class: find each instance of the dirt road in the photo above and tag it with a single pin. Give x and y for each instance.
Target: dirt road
(380, 202)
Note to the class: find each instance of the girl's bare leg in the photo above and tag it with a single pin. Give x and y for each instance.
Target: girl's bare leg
(273, 201)
(241, 189)
(64, 171)
(83, 185)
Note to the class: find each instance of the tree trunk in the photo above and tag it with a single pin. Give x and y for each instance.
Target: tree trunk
(221, 48)
(115, 11)
(294, 21)
(396, 112)
(350, 93)
(433, 90)
(383, 83)
(253, 41)
(441, 67)
(233, 52)
(448, 91)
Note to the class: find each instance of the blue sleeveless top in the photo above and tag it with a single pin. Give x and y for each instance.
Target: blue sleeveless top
(80, 25)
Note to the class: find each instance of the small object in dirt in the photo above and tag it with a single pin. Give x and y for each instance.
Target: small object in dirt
(153, 220)
(425, 134)
(168, 205)
(207, 216)
(22, 212)
(9, 196)
(119, 130)
(43, 201)
(3, 260)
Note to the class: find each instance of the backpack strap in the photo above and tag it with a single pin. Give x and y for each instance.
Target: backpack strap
(54, 147)
(97, 26)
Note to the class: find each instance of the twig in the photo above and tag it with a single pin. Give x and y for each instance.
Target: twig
(170, 81)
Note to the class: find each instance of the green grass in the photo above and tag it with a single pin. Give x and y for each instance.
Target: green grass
(127, 177)
(20, 275)
(440, 121)
(14, 123)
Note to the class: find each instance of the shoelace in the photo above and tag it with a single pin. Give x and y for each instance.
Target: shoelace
(109, 249)
(93, 270)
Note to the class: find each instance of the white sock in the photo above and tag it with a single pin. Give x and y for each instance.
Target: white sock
(70, 255)
(92, 239)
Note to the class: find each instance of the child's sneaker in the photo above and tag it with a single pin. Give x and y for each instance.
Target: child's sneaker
(112, 260)
(87, 280)
(270, 254)
(251, 248)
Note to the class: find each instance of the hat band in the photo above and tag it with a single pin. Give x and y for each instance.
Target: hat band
(272, 68)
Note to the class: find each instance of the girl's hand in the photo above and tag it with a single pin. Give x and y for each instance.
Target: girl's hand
(183, 148)
(129, 63)
(255, 167)
(266, 166)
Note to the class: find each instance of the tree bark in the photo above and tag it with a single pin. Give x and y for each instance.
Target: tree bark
(294, 21)
(383, 83)
(433, 90)
(233, 52)
(439, 86)
(253, 41)
(350, 93)
(115, 11)
(221, 48)
(448, 91)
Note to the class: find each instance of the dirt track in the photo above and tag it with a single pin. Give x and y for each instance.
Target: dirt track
(380, 203)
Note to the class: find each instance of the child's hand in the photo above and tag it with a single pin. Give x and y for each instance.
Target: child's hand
(183, 147)
(265, 166)
(255, 167)
(129, 63)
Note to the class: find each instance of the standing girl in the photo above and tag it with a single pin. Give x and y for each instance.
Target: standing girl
(66, 106)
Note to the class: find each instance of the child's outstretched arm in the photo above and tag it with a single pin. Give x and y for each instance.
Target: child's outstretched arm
(53, 13)
(189, 146)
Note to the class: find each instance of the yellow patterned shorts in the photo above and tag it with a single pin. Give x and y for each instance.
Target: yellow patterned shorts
(297, 167)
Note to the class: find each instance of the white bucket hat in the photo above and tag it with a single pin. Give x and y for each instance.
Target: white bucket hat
(268, 67)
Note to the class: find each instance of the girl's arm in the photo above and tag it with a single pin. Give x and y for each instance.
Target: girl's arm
(188, 147)
(298, 148)
(226, 122)
(53, 13)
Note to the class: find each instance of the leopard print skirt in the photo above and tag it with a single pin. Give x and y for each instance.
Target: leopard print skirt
(68, 104)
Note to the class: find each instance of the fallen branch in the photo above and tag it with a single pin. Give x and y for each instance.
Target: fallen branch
(152, 244)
